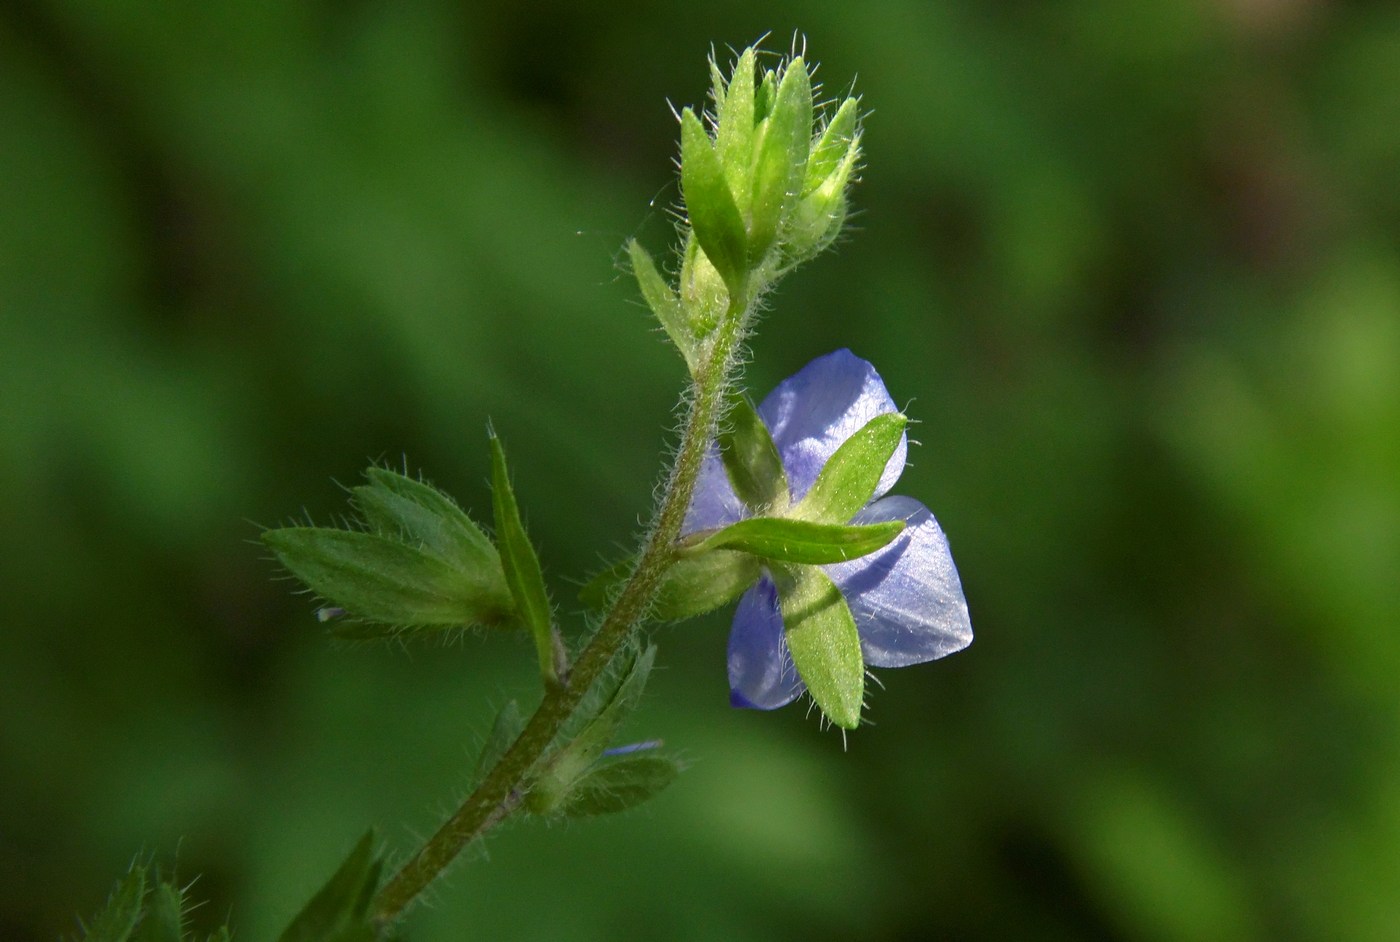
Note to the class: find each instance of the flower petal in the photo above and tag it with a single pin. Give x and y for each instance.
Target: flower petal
(761, 675)
(820, 406)
(714, 503)
(907, 599)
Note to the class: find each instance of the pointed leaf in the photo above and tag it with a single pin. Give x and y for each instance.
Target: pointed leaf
(735, 130)
(620, 785)
(849, 478)
(796, 541)
(117, 919)
(382, 580)
(161, 921)
(338, 911)
(751, 459)
(664, 304)
(782, 159)
(714, 216)
(394, 503)
(823, 640)
(522, 566)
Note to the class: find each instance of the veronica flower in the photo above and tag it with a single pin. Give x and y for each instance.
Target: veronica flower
(905, 598)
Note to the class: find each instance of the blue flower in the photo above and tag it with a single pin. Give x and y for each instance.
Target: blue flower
(906, 598)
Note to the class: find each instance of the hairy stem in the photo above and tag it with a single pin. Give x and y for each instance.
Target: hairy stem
(501, 790)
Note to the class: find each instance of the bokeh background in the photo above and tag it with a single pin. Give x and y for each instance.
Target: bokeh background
(1134, 268)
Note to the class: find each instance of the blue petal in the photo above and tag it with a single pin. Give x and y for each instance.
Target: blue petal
(714, 503)
(761, 674)
(907, 599)
(814, 411)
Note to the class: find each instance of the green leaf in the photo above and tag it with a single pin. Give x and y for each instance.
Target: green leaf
(394, 504)
(381, 579)
(338, 911)
(522, 567)
(690, 587)
(782, 159)
(832, 147)
(714, 216)
(619, 785)
(796, 541)
(161, 921)
(848, 479)
(117, 919)
(734, 130)
(664, 304)
(504, 731)
(751, 459)
(823, 641)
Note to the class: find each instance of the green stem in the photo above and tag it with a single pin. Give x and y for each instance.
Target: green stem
(501, 790)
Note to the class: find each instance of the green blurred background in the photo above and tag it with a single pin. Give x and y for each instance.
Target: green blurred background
(1135, 269)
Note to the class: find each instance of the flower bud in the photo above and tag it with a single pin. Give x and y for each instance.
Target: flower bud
(818, 215)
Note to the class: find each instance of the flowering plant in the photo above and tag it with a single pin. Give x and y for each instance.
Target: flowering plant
(839, 440)
(783, 507)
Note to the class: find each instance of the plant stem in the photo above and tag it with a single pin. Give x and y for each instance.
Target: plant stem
(501, 790)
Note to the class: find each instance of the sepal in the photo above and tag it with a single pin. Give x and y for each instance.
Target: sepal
(734, 126)
(822, 638)
(850, 477)
(416, 561)
(834, 147)
(765, 95)
(619, 785)
(714, 216)
(785, 138)
(144, 908)
(339, 912)
(820, 213)
(702, 290)
(162, 919)
(751, 460)
(118, 918)
(783, 540)
(396, 505)
(585, 739)
(690, 587)
(610, 700)
(390, 584)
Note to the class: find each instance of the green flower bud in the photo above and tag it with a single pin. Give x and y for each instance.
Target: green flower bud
(820, 213)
